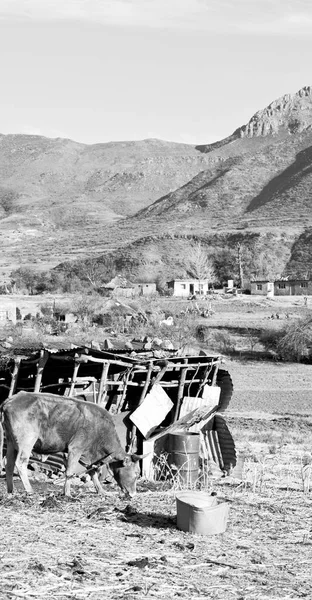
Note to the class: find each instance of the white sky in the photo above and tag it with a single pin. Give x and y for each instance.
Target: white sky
(183, 70)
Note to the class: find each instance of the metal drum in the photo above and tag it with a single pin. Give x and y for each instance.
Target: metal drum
(183, 456)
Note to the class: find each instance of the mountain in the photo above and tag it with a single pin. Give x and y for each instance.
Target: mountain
(268, 188)
(57, 196)
(60, 200)
(289, 114)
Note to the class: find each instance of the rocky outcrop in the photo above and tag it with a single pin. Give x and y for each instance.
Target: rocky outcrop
(291, 113)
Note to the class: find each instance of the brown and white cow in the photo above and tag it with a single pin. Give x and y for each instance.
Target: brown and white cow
(47, 423)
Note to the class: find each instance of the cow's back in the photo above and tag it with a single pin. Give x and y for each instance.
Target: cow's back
(45, 418)
(57, 421)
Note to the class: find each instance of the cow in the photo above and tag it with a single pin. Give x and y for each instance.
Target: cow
(46, 423)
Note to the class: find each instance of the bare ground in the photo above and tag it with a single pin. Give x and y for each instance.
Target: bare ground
(95, 548)
(103, 548)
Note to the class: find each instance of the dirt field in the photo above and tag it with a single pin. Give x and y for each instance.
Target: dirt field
(97, 548)
(104, 548)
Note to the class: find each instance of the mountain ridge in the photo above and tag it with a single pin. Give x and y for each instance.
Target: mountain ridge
(61, 200)
(288, 114)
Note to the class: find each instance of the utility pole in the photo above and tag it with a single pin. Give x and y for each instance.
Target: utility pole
(240, 267)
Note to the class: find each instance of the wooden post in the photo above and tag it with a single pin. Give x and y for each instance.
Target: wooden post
(44, 355)
(204, 380)
(14, 377)
(121, 400)
(147, 382)
(74, 378)
(103, 380)
(180, 390)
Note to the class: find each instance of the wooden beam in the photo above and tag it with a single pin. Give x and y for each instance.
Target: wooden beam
(74, 379)
(103, 382)
(44, 355)
(14, 377)
(180, 390)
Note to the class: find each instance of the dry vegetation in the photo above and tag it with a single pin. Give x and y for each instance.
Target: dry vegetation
(93, 548)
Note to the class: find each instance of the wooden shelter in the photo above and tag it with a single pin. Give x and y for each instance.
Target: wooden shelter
(121, 383)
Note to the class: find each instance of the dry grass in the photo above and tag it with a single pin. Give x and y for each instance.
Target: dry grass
(93, 548)
(104, 548)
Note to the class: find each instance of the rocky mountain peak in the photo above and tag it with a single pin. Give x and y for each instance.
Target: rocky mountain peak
(291, 113)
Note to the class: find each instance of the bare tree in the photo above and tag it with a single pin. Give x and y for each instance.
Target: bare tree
(199, 265)
(240, 266)
(96, 272)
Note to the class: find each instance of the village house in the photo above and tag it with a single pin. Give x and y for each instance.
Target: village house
(145, 289)
(282, 287)
(118, 287)
(7, 311)
(262, 287)
(121, 287)
(293, 287)
(187, 287)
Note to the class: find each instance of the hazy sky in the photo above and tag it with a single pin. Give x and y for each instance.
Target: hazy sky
(183, 70)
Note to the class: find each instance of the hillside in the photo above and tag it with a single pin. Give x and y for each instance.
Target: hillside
(289, 114)
(55, 193)
(60, 200)
(165, 257)
(267, 188)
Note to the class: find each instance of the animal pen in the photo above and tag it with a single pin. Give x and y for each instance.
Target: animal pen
(148, 398)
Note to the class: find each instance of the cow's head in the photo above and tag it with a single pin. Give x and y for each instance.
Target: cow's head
(126, 472)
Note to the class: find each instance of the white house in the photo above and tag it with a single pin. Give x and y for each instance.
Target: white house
(145, 289)
(7, 310)
(262, 287)
(187, 287)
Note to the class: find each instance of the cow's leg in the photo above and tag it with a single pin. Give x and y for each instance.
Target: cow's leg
(71, 468)
(22, 460)
(11, 454)
(94, 474)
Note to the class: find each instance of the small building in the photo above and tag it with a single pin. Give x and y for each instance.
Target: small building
(118, 287)
(65, 317)
(293, 287)
(187, 287)
(262, 287)
(7, 311)
(145, 289)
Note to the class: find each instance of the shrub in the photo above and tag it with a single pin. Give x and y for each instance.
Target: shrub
(28, 317)
(296, 340)
(292, 343)
(202, 333)
(223, 342)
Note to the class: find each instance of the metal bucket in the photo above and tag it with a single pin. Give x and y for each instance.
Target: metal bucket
(198, 512)
(183, 448)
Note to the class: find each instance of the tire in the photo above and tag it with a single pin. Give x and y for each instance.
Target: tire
(224, 381)
(226, 443)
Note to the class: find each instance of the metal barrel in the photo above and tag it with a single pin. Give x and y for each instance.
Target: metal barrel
(183, 456)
